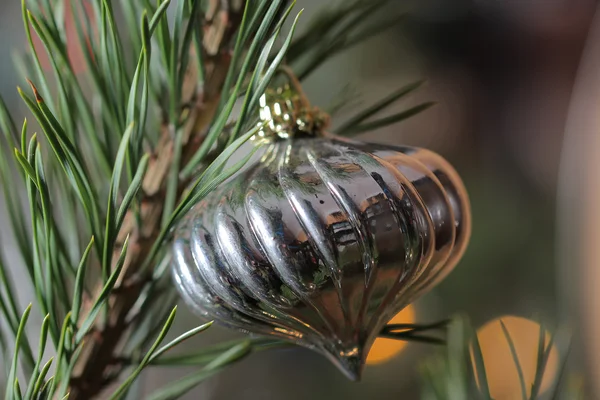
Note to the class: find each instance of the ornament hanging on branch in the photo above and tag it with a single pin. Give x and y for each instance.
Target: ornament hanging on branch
(321, 240)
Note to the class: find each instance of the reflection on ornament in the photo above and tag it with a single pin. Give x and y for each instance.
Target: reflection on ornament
(500, 369)
(385, 349)
(322, 239)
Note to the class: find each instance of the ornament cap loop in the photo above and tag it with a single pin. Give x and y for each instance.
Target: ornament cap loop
(285, 113)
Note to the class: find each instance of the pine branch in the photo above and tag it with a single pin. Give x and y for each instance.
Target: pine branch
(121, 165)
(459, 371)
(98, 353)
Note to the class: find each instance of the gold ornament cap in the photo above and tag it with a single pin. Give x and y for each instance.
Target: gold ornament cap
(285, 113)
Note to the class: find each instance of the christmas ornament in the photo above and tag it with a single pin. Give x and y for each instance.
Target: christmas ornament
(322, 239)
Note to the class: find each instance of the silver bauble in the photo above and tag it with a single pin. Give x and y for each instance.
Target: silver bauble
(321, 240)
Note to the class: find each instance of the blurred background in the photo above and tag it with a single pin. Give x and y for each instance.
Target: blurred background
(502, 73)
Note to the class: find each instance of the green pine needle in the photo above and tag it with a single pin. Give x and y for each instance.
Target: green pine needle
(86, 175)
(146, 360)
(515, 356)
(387, 121)
(87, 323)
(79, 283)
(378, 106)
(12, 390)
(184, 385)
(41, 379)
(180, 339)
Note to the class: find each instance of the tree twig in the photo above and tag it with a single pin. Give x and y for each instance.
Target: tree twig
(94, 365)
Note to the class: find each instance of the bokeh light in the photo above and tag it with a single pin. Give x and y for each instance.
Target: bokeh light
(385, 349)
(500, 368)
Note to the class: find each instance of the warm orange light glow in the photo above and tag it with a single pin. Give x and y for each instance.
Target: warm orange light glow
(385, 349)
(500, 368)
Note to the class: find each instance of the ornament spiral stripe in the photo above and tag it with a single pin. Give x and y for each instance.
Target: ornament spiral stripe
(321, 241)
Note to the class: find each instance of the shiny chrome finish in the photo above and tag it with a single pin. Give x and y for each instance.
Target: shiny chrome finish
(322, 241)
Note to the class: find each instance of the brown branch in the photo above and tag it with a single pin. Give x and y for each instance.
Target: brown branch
(95, 368)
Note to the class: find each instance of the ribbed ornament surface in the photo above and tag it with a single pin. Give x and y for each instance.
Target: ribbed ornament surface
(321, 241)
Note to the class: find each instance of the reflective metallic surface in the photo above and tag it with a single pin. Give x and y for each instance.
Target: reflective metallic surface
(322, 241)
